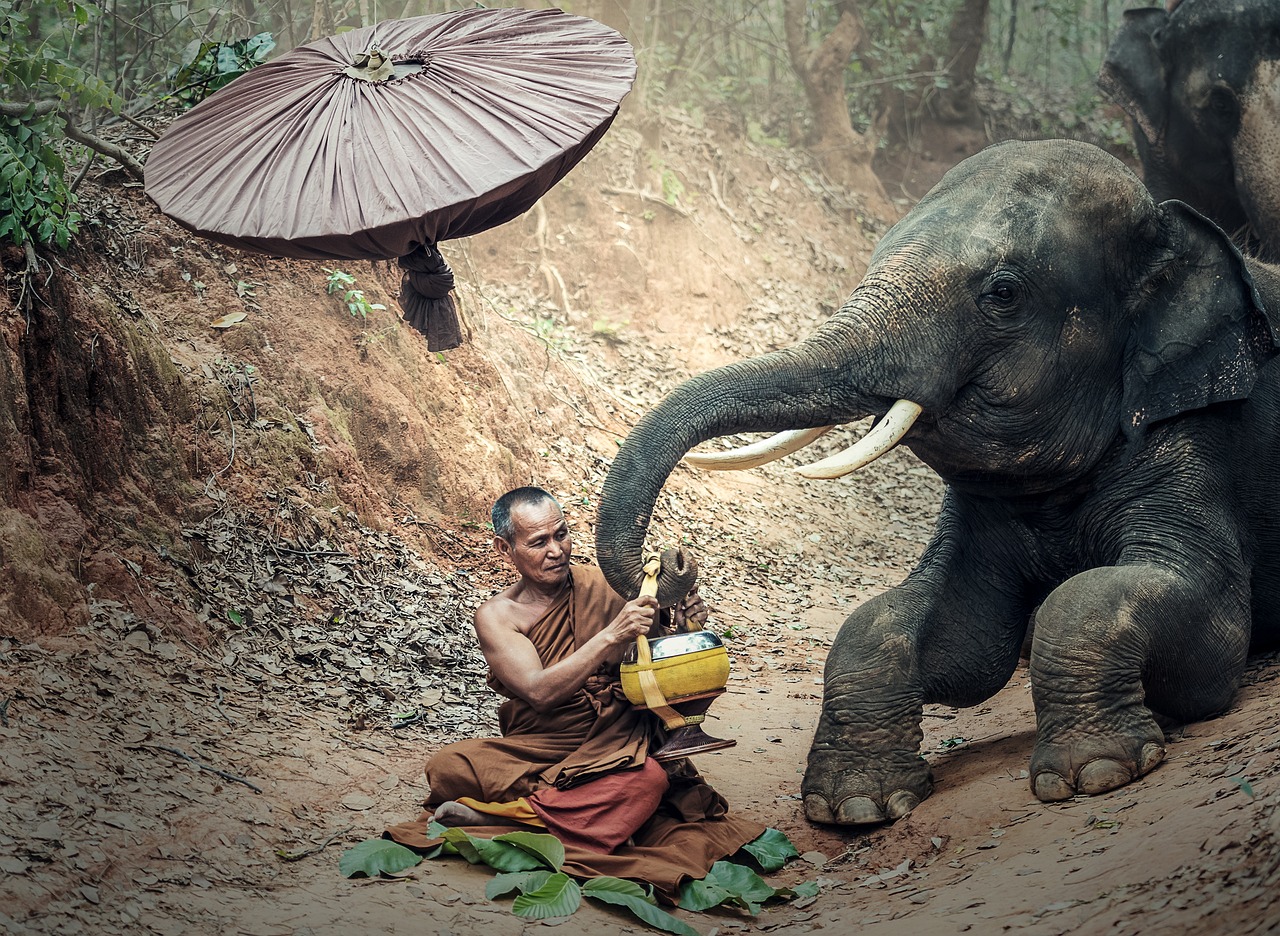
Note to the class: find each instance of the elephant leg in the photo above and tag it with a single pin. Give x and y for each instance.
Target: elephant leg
(865, 764)
(941, 636)
(1112, 644)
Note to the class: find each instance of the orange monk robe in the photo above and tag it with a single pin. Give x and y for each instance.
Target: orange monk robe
(583, 769)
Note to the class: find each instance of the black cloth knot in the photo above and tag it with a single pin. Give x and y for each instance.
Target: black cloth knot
(424, 297)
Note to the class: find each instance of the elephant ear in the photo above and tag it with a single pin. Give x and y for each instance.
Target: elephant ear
(1200, 332)
(1133, 74)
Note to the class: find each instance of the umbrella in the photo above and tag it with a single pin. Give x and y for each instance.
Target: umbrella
(382, 141)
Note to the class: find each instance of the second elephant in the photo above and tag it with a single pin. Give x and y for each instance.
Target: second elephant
(1201, 84)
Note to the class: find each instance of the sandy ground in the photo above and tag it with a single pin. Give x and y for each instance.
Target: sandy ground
(109, 829)
(148, 785)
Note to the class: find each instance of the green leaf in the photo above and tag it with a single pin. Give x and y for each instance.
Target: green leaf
(501, 856)
(742, 882)
(503, 885)
(727, 883)
(259, 47)
(227, 63)
(806, 889)
(539, 844)
(771, 849)
(559, 896)
(702, 895)
(616, 886)
(375, 856)
(628, 894)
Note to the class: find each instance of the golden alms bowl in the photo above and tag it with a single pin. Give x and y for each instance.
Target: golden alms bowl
(686, 665)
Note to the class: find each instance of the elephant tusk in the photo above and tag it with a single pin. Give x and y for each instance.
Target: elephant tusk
(757, 453)
(882, 437)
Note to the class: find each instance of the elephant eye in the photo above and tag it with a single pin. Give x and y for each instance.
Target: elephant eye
(1002, 294)
(1222, 102)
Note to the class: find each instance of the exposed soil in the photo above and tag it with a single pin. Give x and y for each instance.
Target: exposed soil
(201, 664)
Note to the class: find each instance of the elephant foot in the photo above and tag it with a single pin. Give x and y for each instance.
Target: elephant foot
(1093, 765)
(862, 798)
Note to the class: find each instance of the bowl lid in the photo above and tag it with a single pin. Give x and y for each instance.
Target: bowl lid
(674, 645)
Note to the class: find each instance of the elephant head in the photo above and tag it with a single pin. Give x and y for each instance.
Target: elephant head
(1201, 84)
(1036, 309)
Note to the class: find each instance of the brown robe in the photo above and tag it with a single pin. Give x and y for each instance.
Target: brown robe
(593, 734)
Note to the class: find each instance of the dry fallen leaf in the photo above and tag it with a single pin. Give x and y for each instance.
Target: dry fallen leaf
(231, 318)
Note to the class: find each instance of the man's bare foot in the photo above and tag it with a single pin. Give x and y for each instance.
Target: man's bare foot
(455, 814)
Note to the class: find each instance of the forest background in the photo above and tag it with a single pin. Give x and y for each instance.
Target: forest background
(243, 510)
(844, 78)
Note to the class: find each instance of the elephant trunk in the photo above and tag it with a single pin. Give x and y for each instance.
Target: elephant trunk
(1254, 151)
(795, 388)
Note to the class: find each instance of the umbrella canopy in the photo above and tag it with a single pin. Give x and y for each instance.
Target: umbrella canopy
(382, 141)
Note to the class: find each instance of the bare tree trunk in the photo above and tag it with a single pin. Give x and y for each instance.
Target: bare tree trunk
(610, 12)
(955, 103)
(844, 154)
(321, 20)
(1013, 31)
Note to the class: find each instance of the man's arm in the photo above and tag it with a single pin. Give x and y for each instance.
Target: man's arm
(514, 660)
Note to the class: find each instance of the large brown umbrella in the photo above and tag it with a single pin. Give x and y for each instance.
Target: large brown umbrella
(382, 141)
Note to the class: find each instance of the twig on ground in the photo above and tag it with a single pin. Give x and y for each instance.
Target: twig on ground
(647, 197)
(218, 704)
(715, 195)
(230, 461)
(313, 850)
(213, 770)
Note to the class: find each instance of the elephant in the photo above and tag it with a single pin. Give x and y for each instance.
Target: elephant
(1200, 83)
(1087, 370)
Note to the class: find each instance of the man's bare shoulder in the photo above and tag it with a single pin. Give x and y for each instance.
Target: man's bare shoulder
(497, 611)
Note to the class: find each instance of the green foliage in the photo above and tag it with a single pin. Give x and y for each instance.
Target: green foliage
(1245, 786)
(771, 849)
(516, 882)
(36, 204)
(727, 883)
(672, 187)
(632, 896)
(529, 866)
(501, 856)
(559, 896)
(345, 283)
(208, 66)
(376, 856)
(540, 845)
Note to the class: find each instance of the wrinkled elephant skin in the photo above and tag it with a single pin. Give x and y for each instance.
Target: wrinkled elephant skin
(1201, 84)
(1088, 370)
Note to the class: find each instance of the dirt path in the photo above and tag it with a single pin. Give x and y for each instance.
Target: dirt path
(109, 829)
(149, 785)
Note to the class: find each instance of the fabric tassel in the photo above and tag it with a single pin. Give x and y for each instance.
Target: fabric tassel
(424, 297)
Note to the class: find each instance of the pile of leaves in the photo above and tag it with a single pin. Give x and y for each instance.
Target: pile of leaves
(353, 616)
(529, 866)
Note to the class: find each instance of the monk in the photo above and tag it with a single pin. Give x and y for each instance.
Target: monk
(573, 756)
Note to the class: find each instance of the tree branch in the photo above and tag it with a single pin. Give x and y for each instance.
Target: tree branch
(99, 145)
(83, 137)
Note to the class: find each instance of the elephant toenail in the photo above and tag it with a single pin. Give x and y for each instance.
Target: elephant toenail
(859, 810)
(817, 809)
(1049, 787)
(900, 804)
(1152, 754)
(1102, 775)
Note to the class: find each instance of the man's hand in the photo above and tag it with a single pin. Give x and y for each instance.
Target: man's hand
(691, 613)
(635, 618)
